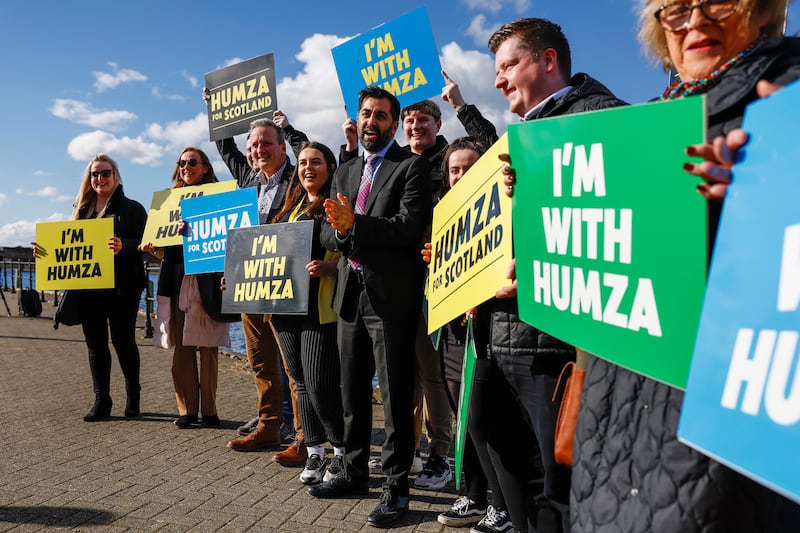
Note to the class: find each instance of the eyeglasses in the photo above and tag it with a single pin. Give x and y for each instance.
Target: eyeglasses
(105, 173)
(675, 17)
(191, 162)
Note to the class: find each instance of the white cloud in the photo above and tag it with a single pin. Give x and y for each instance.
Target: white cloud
(313, 99)
(135, 149)
(229, 62)
(23, 232)
(84, 113)
(191, 79)
(48, 192)
(156, 93)
(110, 80)
(179, 134)
(495, 6)
(473, 71)
(480, 31)
(3, 198)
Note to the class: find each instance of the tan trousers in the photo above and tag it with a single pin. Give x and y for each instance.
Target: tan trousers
(193, 390)
(264, 355)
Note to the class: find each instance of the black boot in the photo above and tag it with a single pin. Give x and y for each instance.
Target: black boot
(101, 409)
(132, 405)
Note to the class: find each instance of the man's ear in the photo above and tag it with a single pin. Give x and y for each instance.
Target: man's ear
(550, 57)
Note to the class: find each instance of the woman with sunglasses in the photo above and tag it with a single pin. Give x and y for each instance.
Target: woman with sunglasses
(630, 472)
(194, 320)
(115, 310)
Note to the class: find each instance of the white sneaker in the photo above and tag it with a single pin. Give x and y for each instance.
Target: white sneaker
(435, 475)
(375, 466)
(314, 470)
(416, 465)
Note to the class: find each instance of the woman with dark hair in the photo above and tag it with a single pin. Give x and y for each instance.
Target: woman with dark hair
(114, 310)
(308, 342)
(192, 311)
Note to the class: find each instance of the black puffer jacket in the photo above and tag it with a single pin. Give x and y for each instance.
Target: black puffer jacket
(587, 94)
(129, 221)
(630, 473)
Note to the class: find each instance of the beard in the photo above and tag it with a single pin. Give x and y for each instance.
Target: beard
(382, 138)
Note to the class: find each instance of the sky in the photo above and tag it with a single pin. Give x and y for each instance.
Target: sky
(125, 78)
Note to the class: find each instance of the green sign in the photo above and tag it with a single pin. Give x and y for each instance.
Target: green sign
(464, 399)
(610, 233)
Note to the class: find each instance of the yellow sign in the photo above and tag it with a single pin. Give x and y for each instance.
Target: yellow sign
(165, 211)
(74, 254)
(471, 245)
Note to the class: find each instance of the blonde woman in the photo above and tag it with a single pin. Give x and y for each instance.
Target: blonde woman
(114, 310)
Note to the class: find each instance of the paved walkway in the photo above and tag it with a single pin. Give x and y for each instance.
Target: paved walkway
(59, 472)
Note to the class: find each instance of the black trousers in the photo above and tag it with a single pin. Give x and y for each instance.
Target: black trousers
(369, 343)
(104, 311)
(312, 358)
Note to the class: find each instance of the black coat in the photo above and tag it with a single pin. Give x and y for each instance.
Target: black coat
(129, 221)
(630, 473)
(388, 236)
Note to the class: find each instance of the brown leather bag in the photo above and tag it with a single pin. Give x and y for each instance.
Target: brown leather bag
(572, 375)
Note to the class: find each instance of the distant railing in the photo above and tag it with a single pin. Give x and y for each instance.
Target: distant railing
(14, 273)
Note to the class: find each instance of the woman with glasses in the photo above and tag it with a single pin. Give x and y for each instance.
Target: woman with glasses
(114, 310)
(194, 321)
(630, 472)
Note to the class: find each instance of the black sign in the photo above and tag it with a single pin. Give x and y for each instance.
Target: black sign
(240, 94)
(265, 269)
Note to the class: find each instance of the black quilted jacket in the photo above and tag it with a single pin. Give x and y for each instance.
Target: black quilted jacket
(630, 474)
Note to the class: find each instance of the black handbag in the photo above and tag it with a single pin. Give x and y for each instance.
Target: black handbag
(67, 311)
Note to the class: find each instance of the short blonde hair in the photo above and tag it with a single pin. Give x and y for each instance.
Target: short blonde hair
(653, 37)
(86, 194)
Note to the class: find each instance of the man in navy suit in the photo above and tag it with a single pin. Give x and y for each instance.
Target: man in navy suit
(379, 208)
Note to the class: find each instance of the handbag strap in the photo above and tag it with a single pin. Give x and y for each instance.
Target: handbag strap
(564, 376)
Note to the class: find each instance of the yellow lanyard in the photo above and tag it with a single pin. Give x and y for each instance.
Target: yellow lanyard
(296, 212)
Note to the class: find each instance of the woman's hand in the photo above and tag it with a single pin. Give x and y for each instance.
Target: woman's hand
(115, 244)
(718, 159)
(720, 155)
(426, 252)
(148, 248)
(318, 268)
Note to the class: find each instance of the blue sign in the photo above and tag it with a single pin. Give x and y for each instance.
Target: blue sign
(208, 219)
(742, 403)
(399, 55)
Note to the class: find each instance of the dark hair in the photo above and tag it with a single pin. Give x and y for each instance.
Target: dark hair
(295, 190)
(425, 106)
(267, 123)
(373, 91)
(208, 177)
(536, 35)
(462, 143)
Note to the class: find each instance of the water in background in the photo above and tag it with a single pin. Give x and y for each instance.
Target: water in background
(236, 332)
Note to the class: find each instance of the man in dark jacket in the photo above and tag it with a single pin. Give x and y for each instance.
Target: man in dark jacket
(268, 153)
(533, 71)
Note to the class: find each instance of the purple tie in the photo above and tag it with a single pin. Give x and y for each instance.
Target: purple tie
(361, 200)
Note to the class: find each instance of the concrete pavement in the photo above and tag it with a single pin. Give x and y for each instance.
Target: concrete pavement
(59, 472)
